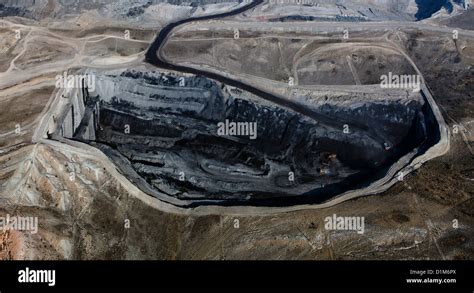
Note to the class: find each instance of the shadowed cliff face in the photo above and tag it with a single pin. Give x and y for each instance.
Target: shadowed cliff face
(195, 139)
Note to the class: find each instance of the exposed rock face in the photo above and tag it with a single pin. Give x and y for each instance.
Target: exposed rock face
(112, 9)
(354, 10)
(170, 132)
(15, 7)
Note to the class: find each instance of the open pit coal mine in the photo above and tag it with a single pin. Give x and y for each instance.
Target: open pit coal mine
(162, 133)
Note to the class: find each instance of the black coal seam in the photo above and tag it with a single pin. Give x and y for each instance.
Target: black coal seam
(316, 196)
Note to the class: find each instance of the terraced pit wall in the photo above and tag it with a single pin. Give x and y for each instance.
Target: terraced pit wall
(80, 118)
(172, 151)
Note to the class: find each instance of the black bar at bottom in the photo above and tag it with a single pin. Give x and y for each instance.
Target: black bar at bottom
(241, 274)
